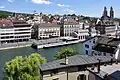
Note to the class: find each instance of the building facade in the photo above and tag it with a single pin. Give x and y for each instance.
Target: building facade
(14, 31)
(87, 45)
(46, 30)
(69, 27)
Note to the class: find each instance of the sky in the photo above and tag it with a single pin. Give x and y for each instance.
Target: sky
(93, 8)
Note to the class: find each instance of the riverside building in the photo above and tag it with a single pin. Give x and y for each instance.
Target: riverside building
(76, 29)
(69, 27)
(12, 31)
(46, 30)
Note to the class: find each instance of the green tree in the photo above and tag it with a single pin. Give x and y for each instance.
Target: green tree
(65, 52)
(3, 15)
(24, 68)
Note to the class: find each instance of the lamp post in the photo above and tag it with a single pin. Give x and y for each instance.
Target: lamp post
(66, 63)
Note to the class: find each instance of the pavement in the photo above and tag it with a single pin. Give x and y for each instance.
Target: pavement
(14, 45)
(48, 41)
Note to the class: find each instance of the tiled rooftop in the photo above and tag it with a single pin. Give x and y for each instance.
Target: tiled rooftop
(106, 44)
(12, 23)
(76, 60)
(111, 70)
(6, 23)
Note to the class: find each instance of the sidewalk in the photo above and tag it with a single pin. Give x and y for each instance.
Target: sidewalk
(15, 45)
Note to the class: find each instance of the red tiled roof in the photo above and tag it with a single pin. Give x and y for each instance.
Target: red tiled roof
(12, 23)
(18, 21)
(6, 23)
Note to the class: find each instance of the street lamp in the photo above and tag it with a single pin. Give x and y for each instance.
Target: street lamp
(66, 63)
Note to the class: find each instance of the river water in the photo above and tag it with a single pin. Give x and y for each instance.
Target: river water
(48, 53)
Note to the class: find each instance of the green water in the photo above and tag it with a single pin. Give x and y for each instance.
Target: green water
(48, 53)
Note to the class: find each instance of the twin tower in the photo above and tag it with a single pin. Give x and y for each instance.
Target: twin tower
(105, 13)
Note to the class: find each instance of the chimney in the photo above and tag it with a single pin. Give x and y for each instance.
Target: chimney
(99, 65)
(66, 60)
(111, 61)
(116, 62)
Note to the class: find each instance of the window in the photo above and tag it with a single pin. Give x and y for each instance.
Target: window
(94, 41)
(54, 72)
(87, 46)
(99, 54)
(81, 77)
(86, 52)
(104, 54)
(56, 79)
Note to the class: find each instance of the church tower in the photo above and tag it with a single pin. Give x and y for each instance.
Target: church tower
(111, 13)
(105, 12)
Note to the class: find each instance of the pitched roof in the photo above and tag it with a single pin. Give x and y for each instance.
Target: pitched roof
(109, 41)
(70, 21)
(105, 48)
(111, 70)
(6, 23)
(12, 23)
(76, 60)
(106, 44)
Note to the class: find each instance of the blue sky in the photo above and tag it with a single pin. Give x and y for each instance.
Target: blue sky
(81, 7)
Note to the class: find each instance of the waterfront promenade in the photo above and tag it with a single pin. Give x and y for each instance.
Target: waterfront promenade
(15, 45)
(54, 42)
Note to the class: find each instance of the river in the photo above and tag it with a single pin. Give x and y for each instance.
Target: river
(48, 53)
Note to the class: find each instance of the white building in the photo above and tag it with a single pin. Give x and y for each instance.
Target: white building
(87, 45)
(47, 30)
(14, 31)
(69, 27)
(77, 29)
(83, 32)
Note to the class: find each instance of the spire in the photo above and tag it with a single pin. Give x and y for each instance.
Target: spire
(111, 13)
(111, 9)
(105, 9)
(105, 12)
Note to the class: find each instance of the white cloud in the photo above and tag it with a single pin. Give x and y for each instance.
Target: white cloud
(66, 11)
(69, 11)
(10, 0)
(2, 7)
(63, 5)
(41, 1)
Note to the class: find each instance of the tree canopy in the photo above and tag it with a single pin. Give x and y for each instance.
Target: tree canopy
(3, 15)
(65, 52)
(24, 68)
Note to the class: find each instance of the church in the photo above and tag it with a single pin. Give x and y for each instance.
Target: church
(106, 19)
(105, 14)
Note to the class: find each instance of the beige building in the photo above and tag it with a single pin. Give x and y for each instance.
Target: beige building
(72, 68)
(70, 26)
(46, 30)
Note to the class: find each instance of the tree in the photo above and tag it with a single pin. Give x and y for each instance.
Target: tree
(24, 68)
(65, 52)
(3, 15)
